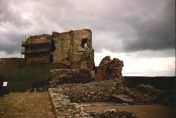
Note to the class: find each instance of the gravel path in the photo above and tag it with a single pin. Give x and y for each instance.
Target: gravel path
(26, 105)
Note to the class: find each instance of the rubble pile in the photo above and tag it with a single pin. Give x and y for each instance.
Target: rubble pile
(90, 92)
(65, 76)
(106, 91)
(147, 94)
(110, 69)
(143, 94)
(112, 113)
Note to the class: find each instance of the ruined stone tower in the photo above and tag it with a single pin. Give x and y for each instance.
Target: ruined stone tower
(73, 48)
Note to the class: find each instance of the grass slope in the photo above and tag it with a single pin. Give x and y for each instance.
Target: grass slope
(20, 75)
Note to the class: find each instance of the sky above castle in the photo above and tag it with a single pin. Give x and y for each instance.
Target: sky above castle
(139, 32)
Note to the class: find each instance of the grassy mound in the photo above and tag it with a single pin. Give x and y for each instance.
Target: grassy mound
(20, 76)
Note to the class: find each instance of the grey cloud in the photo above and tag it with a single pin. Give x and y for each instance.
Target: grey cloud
(8, 14)
(11, 43)
(152, 53)
(119, 26)
(156, 31)
(143, 25)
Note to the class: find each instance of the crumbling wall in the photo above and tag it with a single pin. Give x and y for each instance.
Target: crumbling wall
(110, 69)
(90, 92)
(37, 49)
(65, 76)
(63, 47)
(74, 48)
(107, 70)
(37, 39)
(64, 108)
(84, 53)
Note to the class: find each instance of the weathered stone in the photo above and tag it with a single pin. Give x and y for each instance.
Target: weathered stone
(37, 49)
(76, 110)
(109, 69)
(65, 76)
(64, 108)
(90, 92)
(73, 48)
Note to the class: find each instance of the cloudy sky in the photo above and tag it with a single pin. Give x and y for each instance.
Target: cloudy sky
(139, 32)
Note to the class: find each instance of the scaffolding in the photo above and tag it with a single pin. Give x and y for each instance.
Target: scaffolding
(36, 51)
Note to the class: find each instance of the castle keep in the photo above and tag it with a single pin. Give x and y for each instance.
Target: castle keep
(73, 48)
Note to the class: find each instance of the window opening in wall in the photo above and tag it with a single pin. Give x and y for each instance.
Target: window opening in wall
(84, 43)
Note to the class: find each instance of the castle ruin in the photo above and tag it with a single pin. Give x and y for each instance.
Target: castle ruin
(73, 48)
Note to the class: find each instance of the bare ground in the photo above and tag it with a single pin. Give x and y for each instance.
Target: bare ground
(26, 105)
(140, 111)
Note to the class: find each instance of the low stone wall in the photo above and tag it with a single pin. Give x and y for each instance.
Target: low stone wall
(65, 76)
(64, 108)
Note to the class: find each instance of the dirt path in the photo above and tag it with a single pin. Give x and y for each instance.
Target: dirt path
(141, 111)
(26, 105)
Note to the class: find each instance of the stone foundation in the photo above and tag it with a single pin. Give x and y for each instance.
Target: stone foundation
(64, 108)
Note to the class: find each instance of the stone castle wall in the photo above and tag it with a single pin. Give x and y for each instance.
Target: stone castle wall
(73, 48)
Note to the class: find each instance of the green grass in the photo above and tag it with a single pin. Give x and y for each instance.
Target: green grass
(20, 76)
